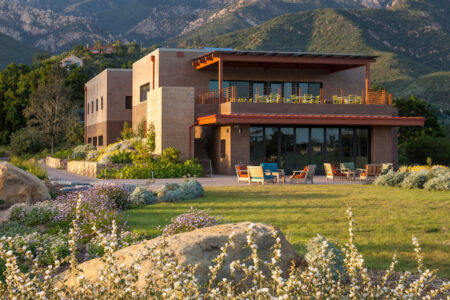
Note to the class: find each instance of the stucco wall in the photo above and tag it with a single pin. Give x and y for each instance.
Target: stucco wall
(171, 110)
(383, 145)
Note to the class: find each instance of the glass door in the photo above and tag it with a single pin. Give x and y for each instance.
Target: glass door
(348, 154)
(256, 145)
(271, 144)
(287, 139)
(332, 146)
(301, 148)
(317, 148)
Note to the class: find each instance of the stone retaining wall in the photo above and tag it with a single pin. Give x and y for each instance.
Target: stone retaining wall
(56, 163)
(90, 168)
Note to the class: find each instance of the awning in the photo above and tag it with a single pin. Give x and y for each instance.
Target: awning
(296, 119)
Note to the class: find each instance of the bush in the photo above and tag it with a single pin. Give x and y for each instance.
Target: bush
(120, 195)
(391, 179)
(99, 206)
(122, 157)
(421, 148)
(80, 152)
(315, 255)
(26, 141)
(191, 189)
(37, 214)
(170, 192)
(92, 155)
(63, 154)
(440, 181)
(170, 155)
(415, 180)
(29, 166)
(191, 220)
(141, 196)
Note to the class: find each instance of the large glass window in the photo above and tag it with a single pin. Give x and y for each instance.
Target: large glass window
(287, 90)
(258, 89)
(317, 139)
(214, 85)
(256, 145)
(362, 147)
(275, 88)
(312, 88)
(242, 88)
(347, 145)
(301, 147)
(271, 144)
(332, 146)
(287, 154)
(143, 90)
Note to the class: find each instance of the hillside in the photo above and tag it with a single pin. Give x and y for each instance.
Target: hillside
(410, 44)
(12, 50)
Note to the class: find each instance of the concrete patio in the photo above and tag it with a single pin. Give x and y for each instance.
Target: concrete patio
(218, 180)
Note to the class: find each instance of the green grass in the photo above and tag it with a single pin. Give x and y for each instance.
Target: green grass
(386, 218)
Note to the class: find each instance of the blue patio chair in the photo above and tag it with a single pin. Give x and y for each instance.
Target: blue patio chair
(272, 169)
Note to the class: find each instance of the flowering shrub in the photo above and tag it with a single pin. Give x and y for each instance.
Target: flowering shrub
(32, 215)
(314, 250)
(80, 152)
(415, 180)
(191, 189)
(422, 168)
(99, 206)
(141, 196)
(121, 157)
(30, 166)
(191, 220)
(119, 281)
(92, 155)
(120, 195)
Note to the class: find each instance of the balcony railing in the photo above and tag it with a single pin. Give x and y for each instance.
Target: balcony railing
(241, 94)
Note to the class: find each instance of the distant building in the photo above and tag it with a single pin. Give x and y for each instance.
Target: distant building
(72, 60)
(102, 49)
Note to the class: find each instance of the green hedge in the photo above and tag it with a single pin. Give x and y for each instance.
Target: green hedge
(159, 169)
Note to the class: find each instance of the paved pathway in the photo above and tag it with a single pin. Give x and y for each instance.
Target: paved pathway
(217, 180)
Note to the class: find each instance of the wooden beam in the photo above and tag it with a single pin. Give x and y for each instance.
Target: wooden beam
(201, 63)
(220, 80)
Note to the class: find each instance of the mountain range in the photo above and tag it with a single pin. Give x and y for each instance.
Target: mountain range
(410, 36)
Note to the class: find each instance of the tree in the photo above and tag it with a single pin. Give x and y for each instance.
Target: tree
(50, 110)
(413, 107)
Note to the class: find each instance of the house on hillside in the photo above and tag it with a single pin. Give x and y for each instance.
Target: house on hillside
(71, 60)
(249, 107)
(101, 49)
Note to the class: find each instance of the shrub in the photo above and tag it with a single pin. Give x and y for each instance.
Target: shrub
(63, 154)
(314, 255)
(26, 141)
(80, 152)
(98, 206)
(141, 196)
(105, 159)
(191, 220)
(439, 182)
(92, 155)
(170, 192)
(191, 189)
(122, 157)
(13, 228)
(170, 155)
(120, 195)
(391, 179)
(37, 214)
(417, 150)
(415, 180)
(29, 166)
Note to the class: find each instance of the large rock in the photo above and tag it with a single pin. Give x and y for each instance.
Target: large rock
(19, 186)
(201, 247)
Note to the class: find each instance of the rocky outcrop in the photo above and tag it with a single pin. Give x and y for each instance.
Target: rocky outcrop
(19, 186)
(201, 247)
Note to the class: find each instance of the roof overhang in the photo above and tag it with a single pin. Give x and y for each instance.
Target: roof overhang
(293, 58)
(295, 119)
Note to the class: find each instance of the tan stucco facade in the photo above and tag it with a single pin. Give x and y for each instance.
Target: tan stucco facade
(105, 102)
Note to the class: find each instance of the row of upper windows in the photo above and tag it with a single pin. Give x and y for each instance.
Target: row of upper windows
(90, 106)
(96, 141)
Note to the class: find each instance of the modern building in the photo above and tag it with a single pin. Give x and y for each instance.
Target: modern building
(101, 49)
(71, 60)
(107, 106)
(250, 107)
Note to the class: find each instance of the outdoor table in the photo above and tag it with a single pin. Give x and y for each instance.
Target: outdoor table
(351, 174)
(278, 175)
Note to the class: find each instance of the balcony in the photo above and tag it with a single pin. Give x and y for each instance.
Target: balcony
(241, 94)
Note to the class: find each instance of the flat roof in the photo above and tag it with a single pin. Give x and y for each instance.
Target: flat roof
(310, 119)
(288, 54)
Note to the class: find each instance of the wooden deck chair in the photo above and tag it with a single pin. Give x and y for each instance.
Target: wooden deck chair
(256, 174)
(305, 175)
(241, 173)
(370, 172)
(333, 173)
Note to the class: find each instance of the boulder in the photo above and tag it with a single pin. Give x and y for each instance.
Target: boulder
(19, 186)
(201, 246)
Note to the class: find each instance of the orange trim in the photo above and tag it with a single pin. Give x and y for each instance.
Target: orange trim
(287, 119)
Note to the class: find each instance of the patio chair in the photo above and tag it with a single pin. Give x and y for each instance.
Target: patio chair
(349, 169)
(317, 100)
(370, 172)
(333, 173)
(257, 174)
(359, 100)
(386, 168)
(295, 99)
(308, 98)
(272, 169)
(335, 99)
(241, 173)
(303, 176)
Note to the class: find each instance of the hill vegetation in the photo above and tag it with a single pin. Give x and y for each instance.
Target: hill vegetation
(12, 50)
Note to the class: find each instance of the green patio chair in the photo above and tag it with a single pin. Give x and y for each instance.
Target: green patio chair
(308, 98)
(335, 99)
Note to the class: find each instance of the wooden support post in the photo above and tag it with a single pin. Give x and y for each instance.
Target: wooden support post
(367, 82)
(220, 80)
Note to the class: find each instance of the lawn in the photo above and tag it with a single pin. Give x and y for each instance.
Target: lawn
(385, 217)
